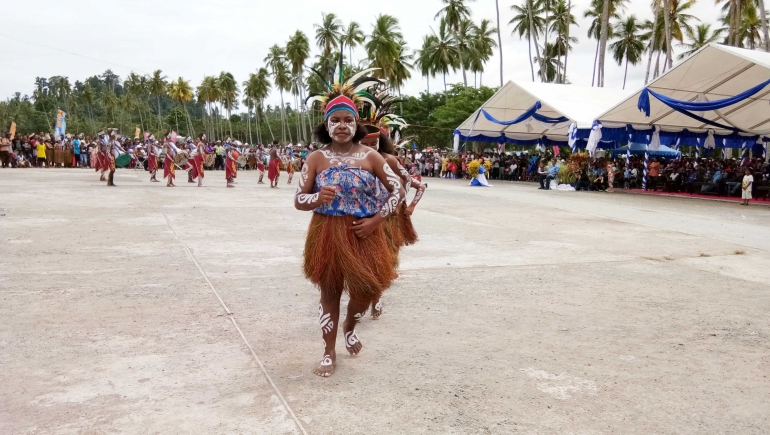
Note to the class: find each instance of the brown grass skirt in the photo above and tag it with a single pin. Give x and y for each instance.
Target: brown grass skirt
(392, 228)
(407, 229)
(335, 259)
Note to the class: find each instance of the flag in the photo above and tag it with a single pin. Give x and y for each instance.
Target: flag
(137, 132)
(146, 135)
(61, 124)
(556, 151)
(13, 130)
(500, 148)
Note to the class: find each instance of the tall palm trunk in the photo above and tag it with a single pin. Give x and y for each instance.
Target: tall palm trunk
(529, 49)
(534, 36)
(596, 56)
(653, 42)
(625, 75)
(657, 66)
(160, 122)
(667, 23)
(444, 82)
(603, 45)
(500, 42)
(248, 121)
(761, 4)
(566, 55)
(283, 120)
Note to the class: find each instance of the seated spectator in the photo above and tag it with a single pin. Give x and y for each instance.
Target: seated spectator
(709, 187)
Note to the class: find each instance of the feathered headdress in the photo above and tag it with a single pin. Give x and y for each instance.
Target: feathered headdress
(345, 94)
(380, 118)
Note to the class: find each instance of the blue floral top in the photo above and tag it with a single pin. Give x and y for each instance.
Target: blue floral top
(359, 193)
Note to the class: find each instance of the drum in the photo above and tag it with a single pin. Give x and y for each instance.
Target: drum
(209, 160)
(243, 160)
(235, 155)
(123, 160)
(181, 159)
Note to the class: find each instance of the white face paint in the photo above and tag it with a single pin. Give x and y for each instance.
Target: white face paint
(342, 126)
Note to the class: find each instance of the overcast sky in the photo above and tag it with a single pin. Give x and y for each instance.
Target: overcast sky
(80, 38)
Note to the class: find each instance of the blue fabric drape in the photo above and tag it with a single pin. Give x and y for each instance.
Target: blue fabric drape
(644, 100)
(530, 113)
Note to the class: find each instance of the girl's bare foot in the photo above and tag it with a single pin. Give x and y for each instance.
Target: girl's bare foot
(377, 309)
(326, 367)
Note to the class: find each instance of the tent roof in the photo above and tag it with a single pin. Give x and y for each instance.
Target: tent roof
(718, 72)
(640, 148)
(580, 104)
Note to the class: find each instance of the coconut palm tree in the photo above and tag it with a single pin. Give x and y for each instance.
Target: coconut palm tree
(751, 25)
(499, 41)
(629, 45)
(297, 53)
(257, 88)
(699, 38)
(454, 13)
(110, 103)
(676, 27)
(652, 39)
(229, 95)
(595, 29)
(763, 18)
(134, 86)
(484, 44)
(352, 37)
(181, 92)
(209, 93)
(422, 61)
(466, 44)
(276, 63)
(400, 73)
(383, 45)
(526, 27)
(158, 87)
(603, 35)
(442, 54)
(89, 97)
(561, 20)
(550, 62)
(328, 34)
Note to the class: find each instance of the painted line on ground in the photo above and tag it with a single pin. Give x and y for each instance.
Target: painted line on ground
(232, 318)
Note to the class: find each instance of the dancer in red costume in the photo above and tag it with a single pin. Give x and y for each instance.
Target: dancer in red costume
(231, 164)
(273, 169)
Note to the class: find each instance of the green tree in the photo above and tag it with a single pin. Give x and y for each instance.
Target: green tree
(466, 46)
(422, 61)
(442, 54)
(524, 26)
(229, 95)
(484, 43)
(561, 21)
(181, 92)
(383, 45)
(328, 33)
(276, 63)
(297, 53)
(454, 13)
(352, 37)
(699, 38)
(629, 46)
(158, 87)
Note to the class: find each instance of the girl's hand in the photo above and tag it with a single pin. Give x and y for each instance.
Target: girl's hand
(326, 194)
(363, 228)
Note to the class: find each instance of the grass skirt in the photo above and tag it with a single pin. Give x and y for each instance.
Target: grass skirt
(407, 229)
(335, 259)
(392, 228)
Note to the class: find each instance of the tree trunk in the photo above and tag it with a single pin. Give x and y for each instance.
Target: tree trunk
(657, 66)
(566, 54)
(625, 75)
(248, 121)
(531, 64)
(761, 4)
(283, 120)
(603, 37)
(500, 41)
(534, 36)
(653, 42)
(160, 122)
(667, 23)
(444, 82)
(596, 56)
(465, 78)
(191, 130)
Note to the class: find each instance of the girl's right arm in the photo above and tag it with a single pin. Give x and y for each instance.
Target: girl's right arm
(304, 199)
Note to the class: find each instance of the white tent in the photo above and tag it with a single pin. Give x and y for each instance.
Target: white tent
(572, 104)
(713, 73)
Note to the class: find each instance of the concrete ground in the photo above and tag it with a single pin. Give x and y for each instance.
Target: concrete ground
(519, 311)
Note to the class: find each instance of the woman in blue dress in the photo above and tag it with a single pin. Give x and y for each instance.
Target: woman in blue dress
(481, 178)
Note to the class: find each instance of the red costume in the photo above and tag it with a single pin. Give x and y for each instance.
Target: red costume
(152, 162)
(231, 166)
(273, 169)
(168, 167)
(197, 166)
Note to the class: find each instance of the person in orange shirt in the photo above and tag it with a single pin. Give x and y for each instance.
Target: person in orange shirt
(652, 175)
